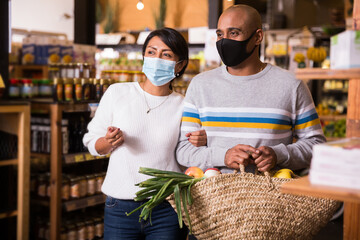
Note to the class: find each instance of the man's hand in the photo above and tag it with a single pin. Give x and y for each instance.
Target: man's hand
(197, 138)
(240, 154)
(266, 160)
(114, 136)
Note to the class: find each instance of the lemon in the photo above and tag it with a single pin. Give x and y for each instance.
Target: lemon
(284, 173)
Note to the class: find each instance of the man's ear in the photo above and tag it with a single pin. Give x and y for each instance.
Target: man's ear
(259, 36)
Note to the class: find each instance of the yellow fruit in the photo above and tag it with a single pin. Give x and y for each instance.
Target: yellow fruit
(299, 57)
(284, 173)
(194, 172)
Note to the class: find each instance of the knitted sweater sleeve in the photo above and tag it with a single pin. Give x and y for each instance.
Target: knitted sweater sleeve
(307, 132)
(187, 154)
(97, 127)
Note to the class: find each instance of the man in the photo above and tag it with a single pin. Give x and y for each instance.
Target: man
(251, 111)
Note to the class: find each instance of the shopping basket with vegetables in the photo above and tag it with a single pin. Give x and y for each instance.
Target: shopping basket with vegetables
(235, 206)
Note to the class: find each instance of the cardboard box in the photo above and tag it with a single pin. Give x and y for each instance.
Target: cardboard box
(345, 50)
(336, 164)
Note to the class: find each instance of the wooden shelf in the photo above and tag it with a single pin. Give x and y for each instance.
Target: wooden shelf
(8, 162)
(332, 117)
(84, 202)
(44, 105)
(75, 204)
(8, 214)
(15, 119)
(81, 157)
(302, 186)
(321, 74)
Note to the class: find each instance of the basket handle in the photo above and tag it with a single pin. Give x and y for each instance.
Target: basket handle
(242, 170)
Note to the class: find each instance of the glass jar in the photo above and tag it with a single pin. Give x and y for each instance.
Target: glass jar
(68, 89)
(92, 88)
(81, 230)
(99, 181)
(74, 187)
(14, 88)
(78, 89)
(58, 90)
(65, 188)
(86, 89)
(35, 92)
(41, 185)
(54, 70)
(97, 89)
(70, 70)
(90, 229)
(82, 186)
(85, 70)
(63, 70)
(91, 184)
(48, 185)
(71, 231)
(65, 135)
(104, 85)
(26, 89)
(99, 227)
(45, 89)
(77, 70)
(63, 233)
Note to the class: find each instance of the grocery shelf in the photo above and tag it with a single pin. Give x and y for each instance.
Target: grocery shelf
(44, 105)
(321, 74)
(8, 162)
(75, 204)
(81, 157)
(332, 117)
(331, 139)
(84, 202)
(8, 214)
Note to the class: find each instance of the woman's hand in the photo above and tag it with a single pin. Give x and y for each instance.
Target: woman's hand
(113, 139)
(197, 138)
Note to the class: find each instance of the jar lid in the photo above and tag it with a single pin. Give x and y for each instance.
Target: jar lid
(45, 81)
(68, 81)
(104, 81)
(77, 81)
(58, 81)
(84, 81)
(13, 81)
(96, 81)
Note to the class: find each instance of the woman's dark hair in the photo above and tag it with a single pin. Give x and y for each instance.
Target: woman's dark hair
(174, 40)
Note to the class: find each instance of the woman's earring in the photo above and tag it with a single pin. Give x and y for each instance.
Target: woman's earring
(177, 74)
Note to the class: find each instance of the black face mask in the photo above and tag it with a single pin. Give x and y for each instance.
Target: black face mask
(233, 52)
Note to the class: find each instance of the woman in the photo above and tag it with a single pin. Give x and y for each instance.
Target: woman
(139, 124)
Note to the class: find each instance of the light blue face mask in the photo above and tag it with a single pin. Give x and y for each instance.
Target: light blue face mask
(159, 71)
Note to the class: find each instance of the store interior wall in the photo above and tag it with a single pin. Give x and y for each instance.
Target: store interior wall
(44, 15)
(126, 17)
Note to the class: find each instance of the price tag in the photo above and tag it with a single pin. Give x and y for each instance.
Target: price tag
(88, 157)
(79, 158)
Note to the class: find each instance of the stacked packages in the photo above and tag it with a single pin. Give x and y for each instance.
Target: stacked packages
(337, 164)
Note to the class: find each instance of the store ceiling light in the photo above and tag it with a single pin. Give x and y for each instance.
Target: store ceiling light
(140, 5)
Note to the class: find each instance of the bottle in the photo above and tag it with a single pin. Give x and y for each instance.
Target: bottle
(65, 135)
(45, 89)
(86, 89)
(58, 90)
(14, 88)
(104, 85)
(68, 89)
(97, 89)
(77, 89)
(26, 90)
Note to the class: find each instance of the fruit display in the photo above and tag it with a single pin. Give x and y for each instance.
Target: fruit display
(336, 129)
(316, 54)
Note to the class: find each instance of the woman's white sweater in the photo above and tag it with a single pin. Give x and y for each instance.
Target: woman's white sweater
(150, 138)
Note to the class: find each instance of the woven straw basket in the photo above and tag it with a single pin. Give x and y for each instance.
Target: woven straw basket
(250, 206)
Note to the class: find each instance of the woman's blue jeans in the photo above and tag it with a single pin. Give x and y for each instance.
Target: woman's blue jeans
(164, 222)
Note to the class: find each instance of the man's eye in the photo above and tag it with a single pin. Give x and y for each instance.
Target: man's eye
(219, 34)
(233, 33)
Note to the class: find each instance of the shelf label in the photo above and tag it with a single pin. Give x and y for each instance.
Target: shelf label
(79, 158)
(89, 157)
